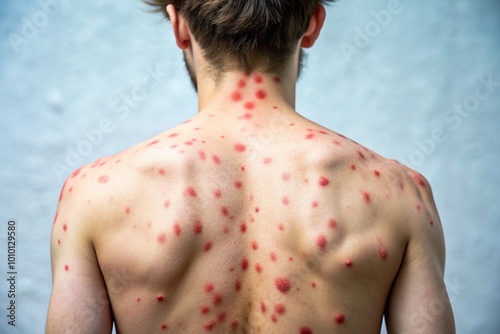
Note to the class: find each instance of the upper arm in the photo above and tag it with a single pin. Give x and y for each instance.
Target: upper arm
(79, 301)
(419, 302)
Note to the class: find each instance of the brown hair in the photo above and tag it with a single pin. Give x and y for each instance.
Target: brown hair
(245, 34)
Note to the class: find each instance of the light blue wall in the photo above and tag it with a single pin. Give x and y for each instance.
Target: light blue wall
(395, 92)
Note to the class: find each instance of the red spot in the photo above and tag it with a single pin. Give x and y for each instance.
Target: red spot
(173, 135)
(280, 308)
(263, 307)
(66, 268)
(167, 204)
(65, 227)
(361, 155)
(204, 309)
(257, 210)
(103, 179)
(234, 325)
(383, 253)
(255, 245)
(353, 167)
(224, 211)
(321, 242)
(55, 218)
(315, 204)
(273, 256)
(305, 330)
(209, 326)
(274, 318)
(216, 159)
(58, 242)
(277, 79)
(202, 155)
(138, 300)
(240, 148)
(339, 318)
(190, 191)
(217, 299)
(267, 161)
(431, 222)
(309, 136)
(242, 83)
(244, 264)
(247, 116)
(70, 189)
(258, 79)
(285, 200)
(249, 105)
(261, 94)
(332, 223)
(377, 173)
(197, 228)
(221, 317)
(127, 211)
(236, 97)
(281, 227)
(208, 246)
(209, 287)
(348, 263)
(75, 173)
(313, 284)
(217, 193)
(164, 327)
(243, 228)
(258, 268)
(367, 197)
(154, 143)
(238, 184)
(177, 229)
(237, 286)
(160, 298)
(285, 176)
(161, 238)
(282, 284)
(323, 181)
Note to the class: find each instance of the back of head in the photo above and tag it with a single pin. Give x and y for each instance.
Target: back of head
(246, 35)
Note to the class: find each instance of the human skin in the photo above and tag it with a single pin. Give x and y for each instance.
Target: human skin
(247, 218)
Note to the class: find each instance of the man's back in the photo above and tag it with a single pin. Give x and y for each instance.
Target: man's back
(250, 219)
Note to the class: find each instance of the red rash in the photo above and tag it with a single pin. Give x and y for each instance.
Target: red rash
(280, 308)
(321, 242)
(202, 155)
(224, 211)
(249, 105)
(208, 246)
(204, 309)
(332, 223)
(173, 135)
(261, 94)
(209, 287)
(167, 204)
(65, 227)
(273, 257)
(221, 317)
(305, 330)
(315, 204)
(367, 197)
(258, 79)
(217, 299)
(267, 161)
(216, 159)
(240, 148)
(277, 79)
(236, 97)
(162, 238)
(154, 143)
(243, 228)
(348, 263)
(211, 325)
(197, 228)
(361, 155)
(234, 325)
(164, 327)
(258, 268)
(377, 173)
(309, 136)
(353, 167)
(238, 184)
(217, 193)
(177, 229)
(282, 284)
(244, 264)
(383, 253)
(263, 307)
(190, 191)
(127, 211)
(285, 200)
(103, 179)
(66, 268)
(237, 286)
(339, 318)
(323, 181)
(255, 245)
(160, 298)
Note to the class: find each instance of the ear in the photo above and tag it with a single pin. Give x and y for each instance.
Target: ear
(181, 28)
(315, 27)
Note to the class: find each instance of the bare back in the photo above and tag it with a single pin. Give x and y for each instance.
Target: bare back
(251, 223)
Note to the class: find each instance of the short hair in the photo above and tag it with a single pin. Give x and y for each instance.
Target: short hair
(245, 35)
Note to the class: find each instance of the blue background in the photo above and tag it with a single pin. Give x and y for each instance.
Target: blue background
(390, 82)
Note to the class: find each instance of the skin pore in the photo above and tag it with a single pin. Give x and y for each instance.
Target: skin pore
(247, 218)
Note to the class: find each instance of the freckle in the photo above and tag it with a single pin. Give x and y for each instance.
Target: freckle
(209, 326)
(348, 263)
(339, 318)
(282, 284)
(103, 179)
(263, 307)
(361, 155)
(309, 136)
(202, 155)
(217, 299)
(255, 245)
(161, 238)
(167, 204)
(66, 268)
(243, 228)
(306, 330)
(281, 227)
(197, 228)
(383, 253)
(258, 79)
(160, 298)
(238, 184)
(367, 197)
(216, 159)
(204, 309)
(244, 264)
(261, 94)
(209, 287)
(190, 191)
(273, 257)
(377, 173)
(249, 105)
(237, 286)
(258, 268)
(221, 317)
(65, 227)
(207, 246)
(236, 97)
(321, 242)
(240, 147)
(323, 181)
(285, 200)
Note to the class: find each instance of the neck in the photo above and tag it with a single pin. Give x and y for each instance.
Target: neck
(251, 92)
